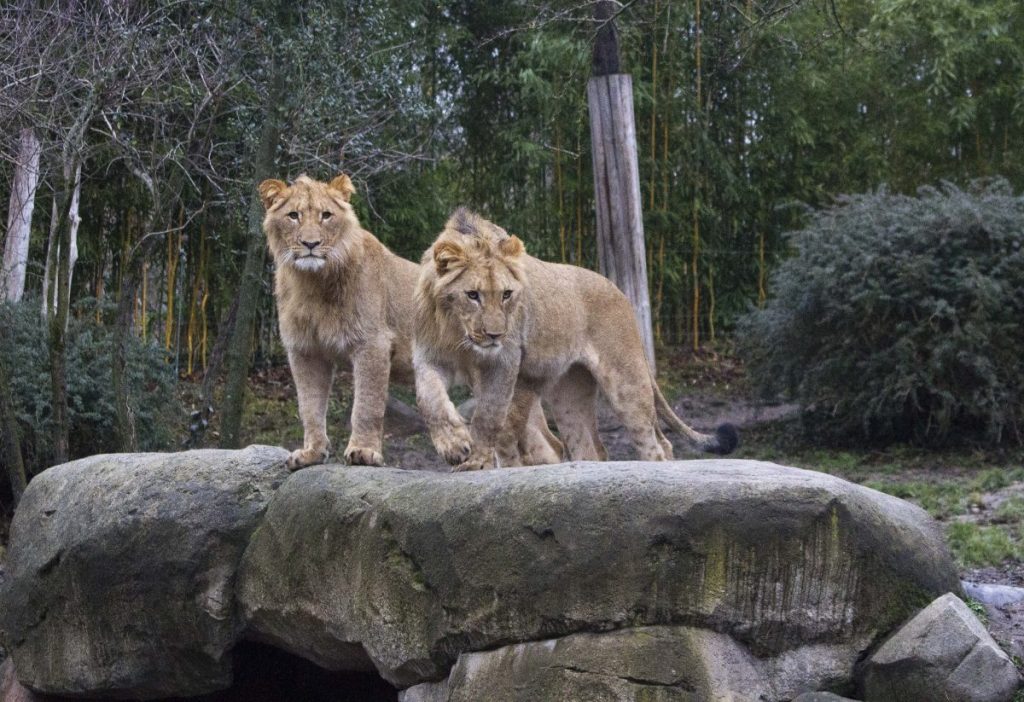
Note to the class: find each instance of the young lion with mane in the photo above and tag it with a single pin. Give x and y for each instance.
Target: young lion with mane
(518, 327)
(343, 296)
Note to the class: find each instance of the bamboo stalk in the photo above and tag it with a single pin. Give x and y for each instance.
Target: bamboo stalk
(762, 295)
(711, 302)
(561, 191)
(145, 288)
(579, 201)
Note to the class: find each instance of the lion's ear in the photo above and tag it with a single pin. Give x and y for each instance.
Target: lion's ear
(511, 247)
(270, 191)
(448, 256)
(343, 184)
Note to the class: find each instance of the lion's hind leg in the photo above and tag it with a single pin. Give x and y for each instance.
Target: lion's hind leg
(527, 431)
(574, 404)
(628, 390)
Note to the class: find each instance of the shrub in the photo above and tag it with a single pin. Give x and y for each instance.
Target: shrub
(900, 318)
(91, 416)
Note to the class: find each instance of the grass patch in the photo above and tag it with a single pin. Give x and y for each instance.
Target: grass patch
(978, 546)
(1010, 511)
(978, 608)
(942, 500)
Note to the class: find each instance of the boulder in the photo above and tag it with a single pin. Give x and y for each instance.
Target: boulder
(661, 663)
(409, 571)
(942, 653)
(121, 569)
(821, 697)
(994, 595)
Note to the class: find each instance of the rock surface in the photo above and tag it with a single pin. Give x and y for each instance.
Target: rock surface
(134, 576)
(410, 570)
(661, 663)
(120, 576)
(821, 697)
(942, 653)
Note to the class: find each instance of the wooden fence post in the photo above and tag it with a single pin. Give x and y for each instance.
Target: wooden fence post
(621, 253)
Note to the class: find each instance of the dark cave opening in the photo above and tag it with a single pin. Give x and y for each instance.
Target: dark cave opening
(266, 674)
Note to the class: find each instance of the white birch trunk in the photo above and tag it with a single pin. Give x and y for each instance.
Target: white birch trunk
(621, 253)
(73, 221)
(19, 217)
(51, 296)
(49, 272)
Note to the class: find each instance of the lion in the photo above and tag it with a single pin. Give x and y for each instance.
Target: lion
(519, 327)
(342, 296)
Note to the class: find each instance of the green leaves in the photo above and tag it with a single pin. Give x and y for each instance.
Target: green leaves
(896, 319)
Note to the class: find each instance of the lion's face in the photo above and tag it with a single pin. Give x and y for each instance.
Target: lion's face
(480, 283)
(307, 222)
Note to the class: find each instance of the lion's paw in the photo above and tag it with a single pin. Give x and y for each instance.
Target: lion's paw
(476, 461)
(454, 445)
(301, 458)
(356, 456)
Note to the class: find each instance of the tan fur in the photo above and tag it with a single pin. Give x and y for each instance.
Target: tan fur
(345, 299)
(535, 328)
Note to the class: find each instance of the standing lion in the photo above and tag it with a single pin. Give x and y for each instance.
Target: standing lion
(343, 296)
(518, 327)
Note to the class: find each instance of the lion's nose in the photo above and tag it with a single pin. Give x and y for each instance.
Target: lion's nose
(495, 335)
(311, 244)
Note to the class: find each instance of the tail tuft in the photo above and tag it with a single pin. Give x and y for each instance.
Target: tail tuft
(726, 440)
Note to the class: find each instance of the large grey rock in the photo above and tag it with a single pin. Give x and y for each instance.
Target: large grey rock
(942, 653)
(121, 571)
(994, 595)
(821, 697)
(660, 663)
(410, 570)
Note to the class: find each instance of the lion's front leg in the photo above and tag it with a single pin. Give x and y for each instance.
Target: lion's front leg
(447, 429)
(493, 390)
(371, 369)
(312, 374)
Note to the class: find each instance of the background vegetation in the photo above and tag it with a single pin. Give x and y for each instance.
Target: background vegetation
(920, 299)
(750, 115)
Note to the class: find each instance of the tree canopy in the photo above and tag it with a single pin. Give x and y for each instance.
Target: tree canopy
(747, 113)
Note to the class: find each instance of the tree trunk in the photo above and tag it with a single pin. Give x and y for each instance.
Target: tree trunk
(240, 347)
(58, 328)
(134, 272)
(54, 259)
(617, 201)
(19, 217)
(9, 438)
(50, 269)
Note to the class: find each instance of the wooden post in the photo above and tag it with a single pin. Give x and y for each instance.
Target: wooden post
(621, 252)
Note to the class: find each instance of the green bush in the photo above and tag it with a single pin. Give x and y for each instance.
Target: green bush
(900, 318)
(23, 345)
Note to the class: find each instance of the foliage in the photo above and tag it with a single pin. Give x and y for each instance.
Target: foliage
(435, 105)
(975, 545)
(159, 417)
(899, 318)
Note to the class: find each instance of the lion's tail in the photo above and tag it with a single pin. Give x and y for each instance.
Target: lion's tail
(723, 441)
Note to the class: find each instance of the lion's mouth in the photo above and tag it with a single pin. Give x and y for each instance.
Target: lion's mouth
(309, 262)
(486, 344)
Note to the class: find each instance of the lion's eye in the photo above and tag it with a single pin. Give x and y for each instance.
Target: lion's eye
(325, 215)
(293, 216)
(472, 294)
(506, 295)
